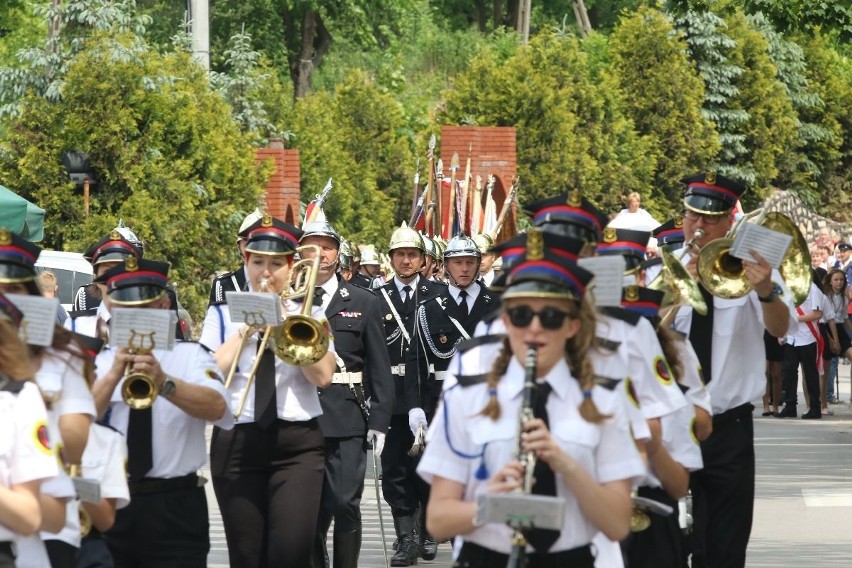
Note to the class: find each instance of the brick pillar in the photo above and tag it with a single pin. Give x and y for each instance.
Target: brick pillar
(492, 150)
(283, 190)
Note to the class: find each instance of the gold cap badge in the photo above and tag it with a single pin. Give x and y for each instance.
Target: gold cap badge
(131, 264)
(266, 220)
(609, 235)
(710, 178)
(5, 237)
(631, 293)
(575, 198)
(535, 245)
(678, 222)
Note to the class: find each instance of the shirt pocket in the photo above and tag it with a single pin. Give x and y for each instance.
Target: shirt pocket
(574, 432)
(443, 336)
(726, 313)
(347, 333)
(484, 430)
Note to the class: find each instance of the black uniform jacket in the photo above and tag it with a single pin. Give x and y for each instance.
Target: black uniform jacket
(360, 280)
(234, 281)
(436, 341)
(354, 317)
(397, 347)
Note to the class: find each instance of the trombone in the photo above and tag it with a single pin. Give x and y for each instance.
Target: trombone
(723, 275)
(300, 340)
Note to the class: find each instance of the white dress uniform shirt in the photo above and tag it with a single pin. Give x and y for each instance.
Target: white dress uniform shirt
(697, 394)
(296, 397)
(25, 452)
(472, 293)
(103, 461)
(60, 379)
(462, 440)
(178, 444)
(680, 441)
(330, 289)
(88, 325)
(803, 334)
(639, 354)
(739, 374)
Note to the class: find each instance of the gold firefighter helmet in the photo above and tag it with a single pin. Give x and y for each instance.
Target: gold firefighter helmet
(406, 237)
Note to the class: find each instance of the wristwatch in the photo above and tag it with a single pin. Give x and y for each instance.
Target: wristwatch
(773, 295)
(168, 388)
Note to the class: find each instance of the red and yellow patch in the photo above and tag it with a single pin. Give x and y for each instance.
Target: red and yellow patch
(211, 374)
(41, 437)
(631, 392)
(661, 368)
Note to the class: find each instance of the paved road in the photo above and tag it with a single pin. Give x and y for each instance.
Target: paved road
(803, 506)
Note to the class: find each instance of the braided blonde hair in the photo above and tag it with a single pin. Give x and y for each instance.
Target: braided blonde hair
(577, 354)
(492, 409)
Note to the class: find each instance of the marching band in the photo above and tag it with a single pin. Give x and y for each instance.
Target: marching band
(526, 403)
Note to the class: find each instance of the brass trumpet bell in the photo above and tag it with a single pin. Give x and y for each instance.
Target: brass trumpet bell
(139, 391)
(85, 522)
(721, 273)
(639, 520)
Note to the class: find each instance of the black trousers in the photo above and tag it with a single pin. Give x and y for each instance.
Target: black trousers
(268, 483)
(93, 553)
(169, 529)
(723, 492)
(806, 355)
(345, 468)
(403, 489)
(7, 559)
(661, 544)
(61, 553)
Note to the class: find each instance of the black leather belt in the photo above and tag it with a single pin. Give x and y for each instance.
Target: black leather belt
(158, 485)
(473, 555)
(733, 414)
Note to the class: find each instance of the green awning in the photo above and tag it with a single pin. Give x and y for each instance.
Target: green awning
(20, 216)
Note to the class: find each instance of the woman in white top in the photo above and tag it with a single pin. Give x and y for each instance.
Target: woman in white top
(269, 469)
(26, 457)
(580, 438)
(838, 328)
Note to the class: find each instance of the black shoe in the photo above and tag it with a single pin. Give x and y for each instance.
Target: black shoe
(788, 412)
(428, 548)
(811, 415)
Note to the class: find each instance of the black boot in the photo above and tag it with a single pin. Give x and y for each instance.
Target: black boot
(407, 551)
(428, 546)
(347, 548)
(319, 556)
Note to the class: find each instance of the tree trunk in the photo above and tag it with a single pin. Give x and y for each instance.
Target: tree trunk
(305, 56)
(497, 13)
(582, 16)
(481, 17)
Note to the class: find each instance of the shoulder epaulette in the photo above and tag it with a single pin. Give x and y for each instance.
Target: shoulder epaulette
(608, 383)
(465, 381)
(468, 344)
(108, 427)
(608, 344)
(83, 313)
(622, 314)
(8, 384)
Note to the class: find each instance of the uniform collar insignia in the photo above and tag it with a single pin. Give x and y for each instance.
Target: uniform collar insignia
(424, 289)
(344, 293)
(486, 298)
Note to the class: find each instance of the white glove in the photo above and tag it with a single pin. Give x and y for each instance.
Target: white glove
(378, 440)
(416, 419)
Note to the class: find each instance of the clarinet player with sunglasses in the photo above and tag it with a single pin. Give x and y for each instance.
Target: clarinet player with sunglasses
(579, 433)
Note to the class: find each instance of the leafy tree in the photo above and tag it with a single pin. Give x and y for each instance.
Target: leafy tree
(572, 132)
(815, 145)
(771, 128)
(663, 95)
(167, 158)
(356, 136)
(710, 48)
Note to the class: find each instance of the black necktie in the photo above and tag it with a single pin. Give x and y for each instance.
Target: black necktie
(545, 480)
(463, 300)
(406, 300)
(319, 294)
(140, 455)
(701, 336)
(265, 401)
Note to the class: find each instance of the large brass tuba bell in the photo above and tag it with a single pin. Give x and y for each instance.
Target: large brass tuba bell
(723, 275)
(676, 283)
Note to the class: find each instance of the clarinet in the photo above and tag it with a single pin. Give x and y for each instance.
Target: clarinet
(518, 556)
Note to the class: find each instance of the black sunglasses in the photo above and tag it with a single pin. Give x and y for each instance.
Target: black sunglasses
(550, 318)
